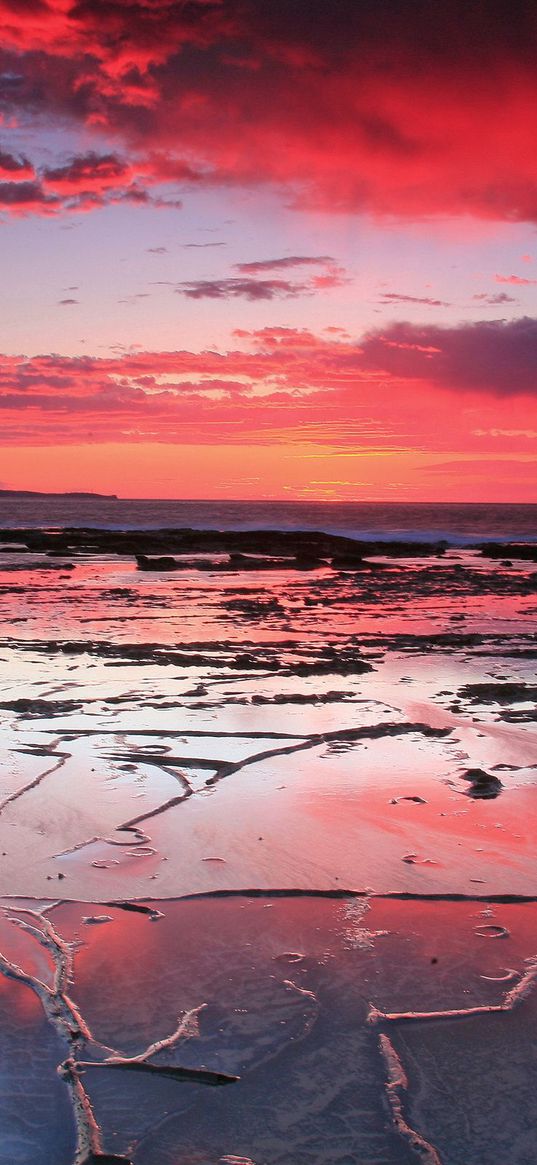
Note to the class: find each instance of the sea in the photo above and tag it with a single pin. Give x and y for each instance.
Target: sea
(458, 524)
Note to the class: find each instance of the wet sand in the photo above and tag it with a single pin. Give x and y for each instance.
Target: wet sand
(267, 864)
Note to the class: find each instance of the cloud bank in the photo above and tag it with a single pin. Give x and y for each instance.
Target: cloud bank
(379, 107)
(405, 382)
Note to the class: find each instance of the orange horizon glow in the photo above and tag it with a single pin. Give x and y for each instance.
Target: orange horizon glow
(250, 473)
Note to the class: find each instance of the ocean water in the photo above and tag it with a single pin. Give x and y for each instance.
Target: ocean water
(460, 524)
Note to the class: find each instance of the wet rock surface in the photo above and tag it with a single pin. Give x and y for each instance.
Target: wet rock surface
(286, 794)
(291, 544)
(525, 552)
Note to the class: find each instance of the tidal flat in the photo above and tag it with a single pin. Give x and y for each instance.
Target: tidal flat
(268, 878)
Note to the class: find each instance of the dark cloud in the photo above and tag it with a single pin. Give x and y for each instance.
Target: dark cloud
(501, 297)
(494, 356)
(260, 265)
(396, 297)
(66, 302)
(15, 167)
(256, 289)
(252, 289)
(90, 171)
(25, 196)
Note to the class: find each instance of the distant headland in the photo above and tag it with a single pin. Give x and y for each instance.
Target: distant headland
(32, 493)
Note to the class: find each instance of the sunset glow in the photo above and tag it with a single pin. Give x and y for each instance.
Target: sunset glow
(278, 250)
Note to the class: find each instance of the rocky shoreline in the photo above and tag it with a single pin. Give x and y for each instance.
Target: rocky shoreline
(267, 818)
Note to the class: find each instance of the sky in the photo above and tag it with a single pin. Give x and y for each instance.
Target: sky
(269, 250)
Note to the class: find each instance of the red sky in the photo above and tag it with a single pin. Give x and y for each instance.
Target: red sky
(269, 250)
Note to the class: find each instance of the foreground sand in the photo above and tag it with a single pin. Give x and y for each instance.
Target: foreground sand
(266, 852)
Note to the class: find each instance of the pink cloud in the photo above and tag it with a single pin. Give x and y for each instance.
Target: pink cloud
(336, 112)
(515, 280)
(442, 388)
